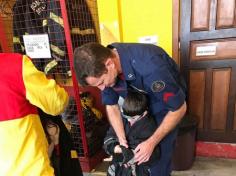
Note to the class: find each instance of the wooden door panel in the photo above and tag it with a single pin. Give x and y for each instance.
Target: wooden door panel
(196, 95)
(200, 7)
(235, 117)
(225, 14)
(220, 93)
(208, 62)
(224, 49)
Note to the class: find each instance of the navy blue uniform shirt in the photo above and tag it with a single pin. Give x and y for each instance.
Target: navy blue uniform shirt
(149, 69)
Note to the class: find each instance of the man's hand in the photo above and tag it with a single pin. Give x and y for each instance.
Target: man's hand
(143, 151)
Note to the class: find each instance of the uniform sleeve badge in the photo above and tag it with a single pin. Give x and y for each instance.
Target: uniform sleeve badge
(157, 86)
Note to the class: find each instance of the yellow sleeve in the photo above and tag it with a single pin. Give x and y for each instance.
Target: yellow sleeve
(42, 92)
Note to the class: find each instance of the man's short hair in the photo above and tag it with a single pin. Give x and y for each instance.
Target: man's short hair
(135, 103)
(89, 60)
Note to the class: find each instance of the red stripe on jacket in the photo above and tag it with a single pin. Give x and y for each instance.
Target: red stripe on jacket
(12, 89)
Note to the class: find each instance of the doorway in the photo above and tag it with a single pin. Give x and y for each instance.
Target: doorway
(205, 45)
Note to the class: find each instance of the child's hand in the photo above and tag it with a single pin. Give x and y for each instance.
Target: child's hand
(117, 149)
(108, 159)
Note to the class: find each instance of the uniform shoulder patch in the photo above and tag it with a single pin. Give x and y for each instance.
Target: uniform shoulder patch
(158, 86)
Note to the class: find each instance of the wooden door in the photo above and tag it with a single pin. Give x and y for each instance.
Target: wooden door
(208, 62)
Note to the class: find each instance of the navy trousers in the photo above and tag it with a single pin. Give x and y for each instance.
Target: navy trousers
(163, 166)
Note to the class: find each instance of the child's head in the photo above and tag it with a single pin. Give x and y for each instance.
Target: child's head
(135, 104)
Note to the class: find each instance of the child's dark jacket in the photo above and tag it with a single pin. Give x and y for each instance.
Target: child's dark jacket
(135, 134)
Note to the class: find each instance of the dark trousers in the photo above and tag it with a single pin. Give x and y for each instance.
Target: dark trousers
(163, 166)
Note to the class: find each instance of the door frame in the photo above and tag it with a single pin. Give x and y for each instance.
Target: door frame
(175, 31)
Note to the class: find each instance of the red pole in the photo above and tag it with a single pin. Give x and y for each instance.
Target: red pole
(75, 83)
(3, 39)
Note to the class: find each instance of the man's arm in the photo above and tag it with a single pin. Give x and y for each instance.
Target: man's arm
(144, 150)
(114, 116)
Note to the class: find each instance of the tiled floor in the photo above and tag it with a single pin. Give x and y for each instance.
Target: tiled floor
(201, 167)
(210, 167)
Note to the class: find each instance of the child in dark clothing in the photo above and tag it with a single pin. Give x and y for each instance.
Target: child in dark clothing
(63, 156)
(139, 126)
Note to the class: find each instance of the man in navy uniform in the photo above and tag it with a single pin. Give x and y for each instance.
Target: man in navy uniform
(145, 68)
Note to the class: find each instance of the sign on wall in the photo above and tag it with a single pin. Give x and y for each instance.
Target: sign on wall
(37, 46)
